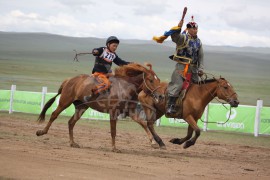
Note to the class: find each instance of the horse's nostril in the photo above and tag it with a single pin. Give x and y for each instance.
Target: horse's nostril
(161, 97)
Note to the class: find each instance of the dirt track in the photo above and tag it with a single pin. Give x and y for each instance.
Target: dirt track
(23, 155)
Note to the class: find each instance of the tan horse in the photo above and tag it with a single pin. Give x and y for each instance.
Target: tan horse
(194, 103)
(128, 81)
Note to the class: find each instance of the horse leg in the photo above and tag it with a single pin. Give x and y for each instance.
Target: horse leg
(191, 121)
(182, 140)
(150, 125)
(136, 118)
(79, 110)
(62, 105)
(113, 121)
(151, 118)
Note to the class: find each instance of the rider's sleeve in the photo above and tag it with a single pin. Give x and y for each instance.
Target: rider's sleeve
(100, 51)
(178, 38)
(119, 61)
(201, 58)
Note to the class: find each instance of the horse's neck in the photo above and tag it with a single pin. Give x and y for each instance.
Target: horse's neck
(123, 84)
(206, 92)
(136, 80)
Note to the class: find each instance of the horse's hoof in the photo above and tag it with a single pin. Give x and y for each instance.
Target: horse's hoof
(163, 147)
(116, 150)
(75, 145)
(188, 144)
(39, 133)
(155, 146)
(175, 141)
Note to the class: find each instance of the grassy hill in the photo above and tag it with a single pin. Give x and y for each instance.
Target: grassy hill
(33, 60)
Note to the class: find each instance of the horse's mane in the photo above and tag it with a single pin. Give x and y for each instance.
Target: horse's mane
(209, 80)
(131, 70)
(205, 81)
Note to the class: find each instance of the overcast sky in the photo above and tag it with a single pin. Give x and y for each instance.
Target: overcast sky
(226, 22)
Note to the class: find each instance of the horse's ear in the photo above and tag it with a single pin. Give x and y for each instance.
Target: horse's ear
(149, 65)
(221, 77)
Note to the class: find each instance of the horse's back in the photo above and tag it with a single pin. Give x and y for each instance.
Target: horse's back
(78, 86)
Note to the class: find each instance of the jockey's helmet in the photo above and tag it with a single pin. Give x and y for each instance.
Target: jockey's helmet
(112, 39)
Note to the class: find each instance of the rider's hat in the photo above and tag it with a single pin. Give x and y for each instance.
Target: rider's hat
(112, 39)
(192, 24)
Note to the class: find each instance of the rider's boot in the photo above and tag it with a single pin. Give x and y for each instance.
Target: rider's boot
(171, 108)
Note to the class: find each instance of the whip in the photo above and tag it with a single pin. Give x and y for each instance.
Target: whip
(79, 54)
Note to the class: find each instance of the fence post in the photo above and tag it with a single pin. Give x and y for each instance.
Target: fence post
(13, 89)
(158, 122)
(206, 112)
(44, 91)
(258, 117)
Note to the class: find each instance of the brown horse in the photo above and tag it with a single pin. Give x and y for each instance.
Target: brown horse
(122, 97)
(194, 103)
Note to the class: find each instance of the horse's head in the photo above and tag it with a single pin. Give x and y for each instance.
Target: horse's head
(151, 84)
(226, 92)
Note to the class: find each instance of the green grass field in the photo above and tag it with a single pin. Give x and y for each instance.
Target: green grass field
(34, 60)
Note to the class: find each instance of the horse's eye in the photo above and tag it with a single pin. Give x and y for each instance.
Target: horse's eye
(151, 81)
(225, 87)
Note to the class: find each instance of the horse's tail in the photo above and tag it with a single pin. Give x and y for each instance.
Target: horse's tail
(41, 117)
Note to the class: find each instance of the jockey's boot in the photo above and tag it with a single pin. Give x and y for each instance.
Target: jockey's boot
(171, 108)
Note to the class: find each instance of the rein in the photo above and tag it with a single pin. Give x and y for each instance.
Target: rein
(208, 122)
(152, 91)
(214, 97)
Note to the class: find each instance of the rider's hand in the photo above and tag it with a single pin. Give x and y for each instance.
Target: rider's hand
(200, 73)
(95, 52)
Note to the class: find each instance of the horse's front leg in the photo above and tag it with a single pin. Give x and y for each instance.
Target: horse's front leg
(150, 125)
(193, 124)
(193, 140)
(182, 140)
(137, 118)
(151, 117)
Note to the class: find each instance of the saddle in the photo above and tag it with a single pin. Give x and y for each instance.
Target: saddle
(102, 82)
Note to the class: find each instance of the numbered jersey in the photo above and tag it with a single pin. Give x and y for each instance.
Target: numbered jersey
(104, 59)
(107, 55)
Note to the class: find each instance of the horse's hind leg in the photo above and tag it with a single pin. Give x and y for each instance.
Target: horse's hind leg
(54, 115)
(182, 140)
(79, 110)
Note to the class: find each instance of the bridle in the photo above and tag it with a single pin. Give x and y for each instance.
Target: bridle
(227, 101)
(228, 97)
(153, 94)
(220, 87)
